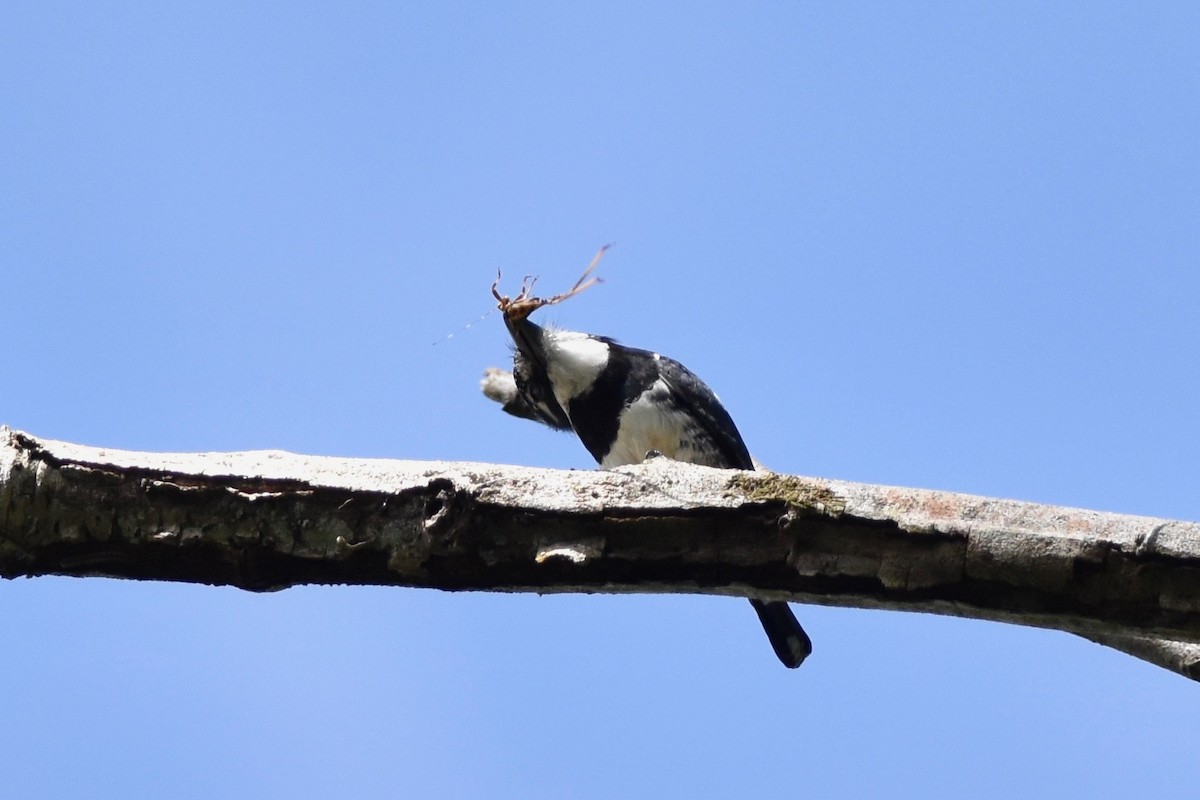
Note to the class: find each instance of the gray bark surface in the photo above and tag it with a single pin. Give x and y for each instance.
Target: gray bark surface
(268, 520)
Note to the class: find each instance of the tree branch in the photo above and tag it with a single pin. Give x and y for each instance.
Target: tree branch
(268, 520)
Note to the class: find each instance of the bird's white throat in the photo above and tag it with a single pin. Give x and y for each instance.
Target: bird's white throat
(573, 362)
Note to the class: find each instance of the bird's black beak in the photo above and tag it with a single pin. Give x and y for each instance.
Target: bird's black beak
(528, 338)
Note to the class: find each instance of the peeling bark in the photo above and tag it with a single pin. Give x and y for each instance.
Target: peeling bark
(268, 520)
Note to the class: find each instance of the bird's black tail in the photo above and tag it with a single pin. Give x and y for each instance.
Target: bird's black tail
(789, 640)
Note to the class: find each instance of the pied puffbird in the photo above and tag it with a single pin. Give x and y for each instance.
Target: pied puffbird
(624, 403)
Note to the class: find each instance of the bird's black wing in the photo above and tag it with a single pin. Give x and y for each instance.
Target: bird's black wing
(704, 407)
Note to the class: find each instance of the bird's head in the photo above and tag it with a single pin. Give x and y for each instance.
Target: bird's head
(548, 360)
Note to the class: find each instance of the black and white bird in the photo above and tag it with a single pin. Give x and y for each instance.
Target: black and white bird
(625, 403)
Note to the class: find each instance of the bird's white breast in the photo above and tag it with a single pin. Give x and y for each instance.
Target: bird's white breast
(648, 424)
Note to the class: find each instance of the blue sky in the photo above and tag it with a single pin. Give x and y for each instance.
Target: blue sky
(942, 245)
